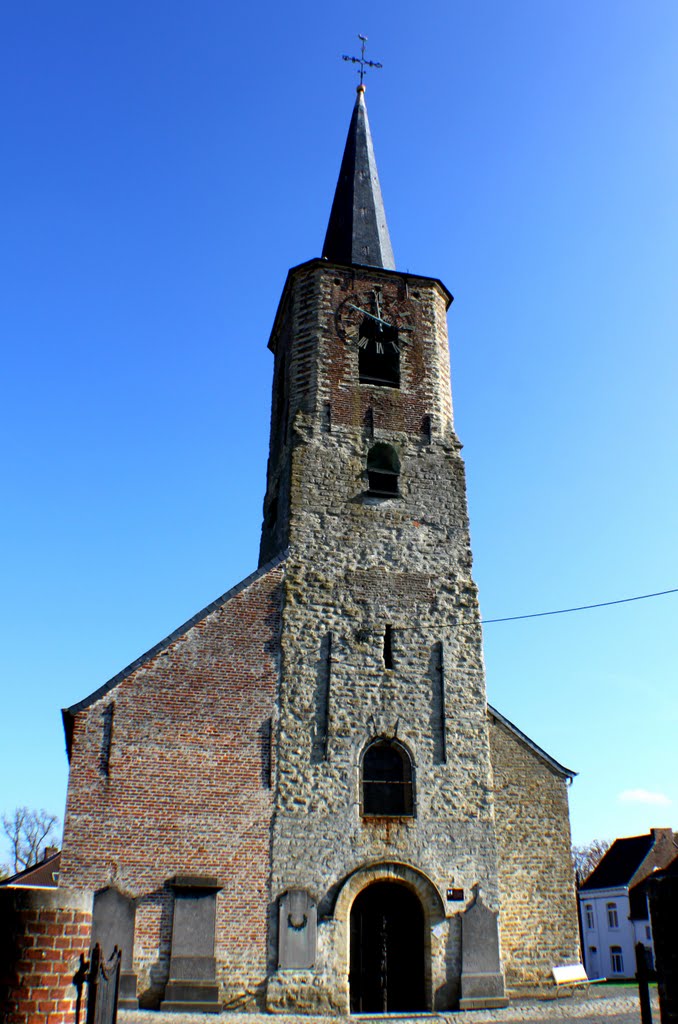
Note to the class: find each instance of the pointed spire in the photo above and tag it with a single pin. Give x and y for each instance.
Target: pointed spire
(357, 231)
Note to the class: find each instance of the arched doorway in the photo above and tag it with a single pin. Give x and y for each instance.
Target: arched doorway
(387, 950)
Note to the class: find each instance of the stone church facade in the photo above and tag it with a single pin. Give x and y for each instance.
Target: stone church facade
(302, 792)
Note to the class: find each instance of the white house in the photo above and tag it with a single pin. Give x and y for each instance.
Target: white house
(609, 933)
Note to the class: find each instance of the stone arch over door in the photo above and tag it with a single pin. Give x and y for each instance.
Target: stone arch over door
(433, 909)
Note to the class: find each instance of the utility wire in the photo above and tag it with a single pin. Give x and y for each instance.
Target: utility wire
(583, 607)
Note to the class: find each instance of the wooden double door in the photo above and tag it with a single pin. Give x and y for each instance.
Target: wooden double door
(387, 950)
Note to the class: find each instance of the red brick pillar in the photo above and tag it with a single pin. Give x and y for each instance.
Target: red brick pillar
(42, 934)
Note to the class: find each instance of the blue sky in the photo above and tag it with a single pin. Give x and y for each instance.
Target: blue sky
(165, 164)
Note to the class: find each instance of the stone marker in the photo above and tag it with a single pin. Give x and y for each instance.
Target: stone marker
(482, 982)
(192, 983)
(298, 921)
(113, 925)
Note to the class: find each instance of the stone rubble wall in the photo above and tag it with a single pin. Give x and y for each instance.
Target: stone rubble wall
(356, 564)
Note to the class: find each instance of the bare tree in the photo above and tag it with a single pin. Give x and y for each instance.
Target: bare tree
(27, 832)
(586, 858)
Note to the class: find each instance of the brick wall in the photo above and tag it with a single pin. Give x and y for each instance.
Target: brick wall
(538, 910)
(42, 934)
(170, 774)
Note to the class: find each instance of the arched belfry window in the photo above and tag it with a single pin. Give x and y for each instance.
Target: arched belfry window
(383, 470)
(387, 783)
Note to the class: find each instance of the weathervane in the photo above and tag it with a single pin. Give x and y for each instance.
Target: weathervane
(361, 59)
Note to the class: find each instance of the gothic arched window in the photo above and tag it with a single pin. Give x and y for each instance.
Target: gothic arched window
(383, 470)
(387, 783)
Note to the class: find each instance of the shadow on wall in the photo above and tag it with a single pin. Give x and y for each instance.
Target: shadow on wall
(158, 972)
(449, 994)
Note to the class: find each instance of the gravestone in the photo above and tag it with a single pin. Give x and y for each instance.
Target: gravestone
(482, 981)
(297, 930)
(192, 983)
(113, 919)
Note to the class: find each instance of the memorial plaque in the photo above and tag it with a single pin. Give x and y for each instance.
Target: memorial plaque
(192, 978)
(297, 930)
(113, 919)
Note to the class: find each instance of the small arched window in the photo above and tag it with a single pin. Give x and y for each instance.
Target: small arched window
(383, 470)
(387, 782)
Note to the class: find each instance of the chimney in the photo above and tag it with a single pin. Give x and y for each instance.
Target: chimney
(49, 852)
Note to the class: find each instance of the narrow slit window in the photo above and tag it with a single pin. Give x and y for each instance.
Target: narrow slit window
(388, 646)
(106, 739)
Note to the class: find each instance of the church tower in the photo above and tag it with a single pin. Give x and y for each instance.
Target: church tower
(300, 799)
(383, 756)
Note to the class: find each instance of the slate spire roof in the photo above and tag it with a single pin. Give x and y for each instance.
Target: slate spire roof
(357, 231)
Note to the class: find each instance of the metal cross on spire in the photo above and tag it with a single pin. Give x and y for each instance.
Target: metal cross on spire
(361, 59)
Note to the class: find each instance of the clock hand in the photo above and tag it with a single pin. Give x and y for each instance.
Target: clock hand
(370, 315)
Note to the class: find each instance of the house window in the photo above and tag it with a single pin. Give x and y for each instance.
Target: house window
(612, 916)
(648, 932)
(590, 922)
(383, 470)
(387, 780)
(616, 960)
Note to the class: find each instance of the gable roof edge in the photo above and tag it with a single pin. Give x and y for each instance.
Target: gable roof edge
(566, 773)
(68, 714)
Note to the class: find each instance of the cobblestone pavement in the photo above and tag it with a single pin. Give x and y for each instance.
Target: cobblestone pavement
(619, 1006)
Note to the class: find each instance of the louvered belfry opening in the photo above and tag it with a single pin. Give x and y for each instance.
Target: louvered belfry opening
(383, 471)
(378, 354)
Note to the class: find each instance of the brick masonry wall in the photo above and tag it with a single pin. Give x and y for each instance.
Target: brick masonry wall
(184, 786)
(42, 934)
(538, 910)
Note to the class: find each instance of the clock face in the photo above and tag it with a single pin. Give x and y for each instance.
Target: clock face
(378, 327)
(373, 320)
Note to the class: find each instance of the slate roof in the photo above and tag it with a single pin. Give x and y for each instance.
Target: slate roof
(357, 230)
(43, 875)
(620, 863)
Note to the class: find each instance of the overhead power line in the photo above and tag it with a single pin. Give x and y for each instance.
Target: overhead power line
(583, 607)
